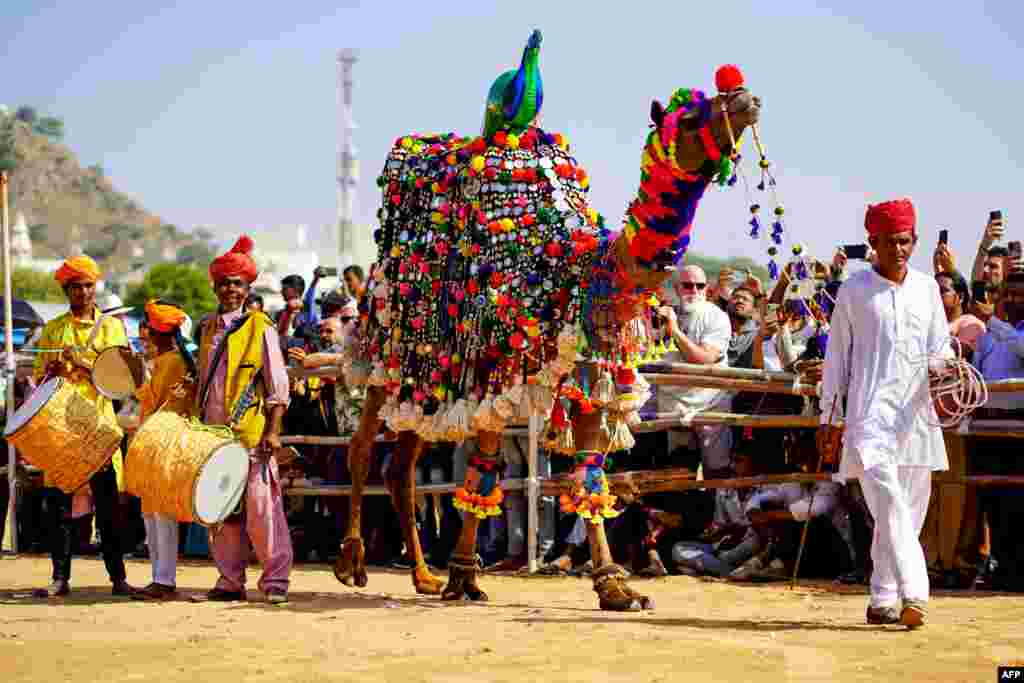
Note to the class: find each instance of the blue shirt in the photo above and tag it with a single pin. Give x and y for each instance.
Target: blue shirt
(1000, 355)
(308, 314)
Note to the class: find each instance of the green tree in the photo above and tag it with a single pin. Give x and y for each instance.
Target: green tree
(38, 232)
(713, 265)
(198, 254)
(185, 285)
(8, 156)
(36, 285)
(50, 126)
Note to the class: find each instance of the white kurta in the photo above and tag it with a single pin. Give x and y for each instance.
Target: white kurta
(881, 338)
(881, 335)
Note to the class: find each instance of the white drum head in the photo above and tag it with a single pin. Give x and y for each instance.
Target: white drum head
(221, 484)
(112, 373)
(33, 405)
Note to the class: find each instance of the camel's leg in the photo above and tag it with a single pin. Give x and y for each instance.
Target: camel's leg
(613, 592)
(464, 567)
(350, 567)
(402, 485)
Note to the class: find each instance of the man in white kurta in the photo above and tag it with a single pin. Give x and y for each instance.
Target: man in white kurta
(887, 321)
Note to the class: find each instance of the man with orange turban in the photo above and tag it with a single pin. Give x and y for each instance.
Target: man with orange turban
(887, 321)
(70, 356)
(243, 383)
(171, 386)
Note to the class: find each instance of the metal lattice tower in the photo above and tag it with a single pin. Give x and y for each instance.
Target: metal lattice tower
(348, 162)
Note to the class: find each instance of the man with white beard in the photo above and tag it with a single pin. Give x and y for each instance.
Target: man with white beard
(701, 332)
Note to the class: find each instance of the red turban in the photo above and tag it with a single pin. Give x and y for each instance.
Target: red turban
(236, 263)
(890, 217)
(163, 318)
(77, 268)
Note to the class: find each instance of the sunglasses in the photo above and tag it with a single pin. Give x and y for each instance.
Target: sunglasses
(693, 285)
(347, 318)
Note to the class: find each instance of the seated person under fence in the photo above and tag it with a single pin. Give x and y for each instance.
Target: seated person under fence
(729, 540)
(778, 513)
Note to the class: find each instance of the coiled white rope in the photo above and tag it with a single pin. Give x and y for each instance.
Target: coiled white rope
(955, 387)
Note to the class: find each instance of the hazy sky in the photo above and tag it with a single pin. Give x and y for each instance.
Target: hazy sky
(225, 112)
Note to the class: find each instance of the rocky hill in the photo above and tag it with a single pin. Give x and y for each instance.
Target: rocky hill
(66, 204)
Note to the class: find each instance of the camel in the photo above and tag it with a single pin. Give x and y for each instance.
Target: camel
(498, 291)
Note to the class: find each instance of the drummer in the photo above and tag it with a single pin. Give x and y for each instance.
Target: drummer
(244, 384)
(67, 335)
(171, 386)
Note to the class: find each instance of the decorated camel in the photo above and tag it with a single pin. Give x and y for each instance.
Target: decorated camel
(498, 292)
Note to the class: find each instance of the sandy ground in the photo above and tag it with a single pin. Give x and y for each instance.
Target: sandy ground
(534, 629)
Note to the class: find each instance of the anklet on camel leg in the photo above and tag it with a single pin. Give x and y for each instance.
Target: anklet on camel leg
(462, 573)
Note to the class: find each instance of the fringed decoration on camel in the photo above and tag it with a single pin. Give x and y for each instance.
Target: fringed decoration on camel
(481, 492)
(590, 496)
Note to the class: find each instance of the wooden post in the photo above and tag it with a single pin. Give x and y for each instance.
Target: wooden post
(532, 489)
(9, 367)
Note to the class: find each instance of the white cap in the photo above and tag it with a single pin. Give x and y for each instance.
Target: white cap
(110, 300)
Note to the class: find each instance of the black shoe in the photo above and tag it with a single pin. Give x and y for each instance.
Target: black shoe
(403, 563)
(59, 588)
(853, 578)
(880, 616)
(221, 595)
(121, 587)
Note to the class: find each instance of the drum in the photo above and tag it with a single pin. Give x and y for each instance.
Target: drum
(117, 373)
(186, 471)
(64, 433)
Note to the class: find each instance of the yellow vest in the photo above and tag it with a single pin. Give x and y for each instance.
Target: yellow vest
(244, 356)
(66, 330)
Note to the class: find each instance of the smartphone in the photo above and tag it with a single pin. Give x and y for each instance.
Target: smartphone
(979, 292)
(1013, 250)
(996, 215)
(943, 236)
(855, 252)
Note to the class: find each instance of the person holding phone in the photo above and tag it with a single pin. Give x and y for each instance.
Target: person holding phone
(990, 263)
(943, 260)
(884, 318)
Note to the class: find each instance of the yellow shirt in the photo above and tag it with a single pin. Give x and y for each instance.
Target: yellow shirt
(67, 331)
(159, 393)
(169, 370)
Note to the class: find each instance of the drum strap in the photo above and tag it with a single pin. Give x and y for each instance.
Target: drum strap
(218, 354)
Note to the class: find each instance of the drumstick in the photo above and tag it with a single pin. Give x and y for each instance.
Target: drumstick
(810, 505)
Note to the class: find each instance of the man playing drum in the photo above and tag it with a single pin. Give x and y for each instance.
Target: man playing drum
(68, 336)
(244, 384)
(171, 386)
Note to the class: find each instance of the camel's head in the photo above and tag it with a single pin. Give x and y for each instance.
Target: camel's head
(705, 129)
